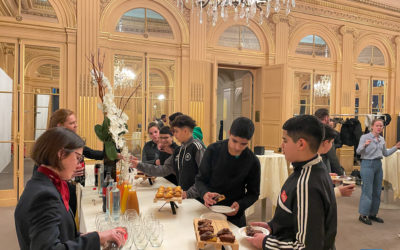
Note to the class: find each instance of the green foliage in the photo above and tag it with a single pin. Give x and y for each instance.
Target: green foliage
(111, 150)
(102, 132)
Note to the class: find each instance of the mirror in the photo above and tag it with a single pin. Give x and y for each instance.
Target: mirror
(41, 95)
(7, 102)
(322, 90)
(302, 93)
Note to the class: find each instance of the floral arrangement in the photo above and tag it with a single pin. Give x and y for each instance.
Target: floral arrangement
(114, 126)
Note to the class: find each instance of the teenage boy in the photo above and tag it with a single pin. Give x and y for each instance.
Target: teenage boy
(185, 160)
(326, 145)
(231, 169)
(167, 146)
(306, 216)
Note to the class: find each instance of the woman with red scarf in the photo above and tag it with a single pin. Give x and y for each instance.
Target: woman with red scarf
(43, 218)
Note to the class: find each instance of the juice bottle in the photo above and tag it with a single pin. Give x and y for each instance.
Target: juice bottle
(132, 202)
(124, 198)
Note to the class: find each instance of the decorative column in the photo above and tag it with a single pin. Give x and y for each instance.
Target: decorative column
(395, 91)
(346, 94)
(200, 78)
(88, 14)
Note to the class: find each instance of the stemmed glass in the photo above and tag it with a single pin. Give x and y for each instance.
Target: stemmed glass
(139, 237)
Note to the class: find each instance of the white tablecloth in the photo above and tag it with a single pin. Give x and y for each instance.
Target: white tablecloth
(274, 173)
(179, 230)
(391, 172)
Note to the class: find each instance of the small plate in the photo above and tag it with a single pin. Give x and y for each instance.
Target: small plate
(242, 231)
(213, 216)
(221, 209)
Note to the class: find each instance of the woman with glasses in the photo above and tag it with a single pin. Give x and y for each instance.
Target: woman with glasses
(43, 218)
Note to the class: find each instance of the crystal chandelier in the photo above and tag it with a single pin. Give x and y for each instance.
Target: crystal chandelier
(123, 77)
(242, 8)
(323, 87)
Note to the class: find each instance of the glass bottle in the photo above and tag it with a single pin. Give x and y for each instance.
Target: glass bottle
(115, 197)
(124, 198)
(104, 191)
(132, 201)
(108, 190)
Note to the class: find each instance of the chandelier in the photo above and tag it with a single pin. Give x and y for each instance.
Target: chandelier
(123, 77)
(323, 87)
(243, 9)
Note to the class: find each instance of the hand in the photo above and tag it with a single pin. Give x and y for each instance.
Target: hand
(168, 150)
(134, 162)
(347, 191)
(79, 171)
(115, 235)
(398, 145)
(158, 162)
(235, 206)
(257, 240)
(208, 199)
(184, 195)
(367, 142)
(261, 224)
(335, 181)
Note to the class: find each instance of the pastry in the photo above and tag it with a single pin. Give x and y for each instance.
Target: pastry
(224, 231)
(159, 195)
(168, 195)
(219, 198)
(250, 231)
(208, 236)
(204, 221)
(227, 238)
(178, 194)
(206, 229)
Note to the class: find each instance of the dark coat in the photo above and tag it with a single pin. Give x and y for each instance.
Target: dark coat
(42, 222)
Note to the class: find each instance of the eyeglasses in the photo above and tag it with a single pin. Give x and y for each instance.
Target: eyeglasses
(79, 157)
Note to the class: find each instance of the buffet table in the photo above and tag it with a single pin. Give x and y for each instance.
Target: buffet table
(391, 172)
(274, 173)
(178, 229)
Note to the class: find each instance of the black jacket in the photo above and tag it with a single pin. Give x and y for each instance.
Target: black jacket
(150, 152)
(236, 178)
(306, 215)
(184, 163)
(93, 154)
(42, 222)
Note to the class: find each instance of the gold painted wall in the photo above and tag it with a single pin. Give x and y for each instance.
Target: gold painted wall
(84, 26)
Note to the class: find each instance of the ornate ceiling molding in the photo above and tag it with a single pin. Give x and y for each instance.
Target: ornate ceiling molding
(349, 30)
(334, 10)
(377, 4)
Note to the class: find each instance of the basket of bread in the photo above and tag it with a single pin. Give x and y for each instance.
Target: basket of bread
(168, 194)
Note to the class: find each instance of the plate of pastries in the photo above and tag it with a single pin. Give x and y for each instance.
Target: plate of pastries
(250, 231)
(169, 194)
(215, 232)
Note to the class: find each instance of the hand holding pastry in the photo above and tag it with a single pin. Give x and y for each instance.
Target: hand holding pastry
(261, 224)
(257, 240)
(208, 199)
(134, 162)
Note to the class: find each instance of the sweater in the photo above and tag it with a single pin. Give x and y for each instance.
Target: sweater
(238, 178)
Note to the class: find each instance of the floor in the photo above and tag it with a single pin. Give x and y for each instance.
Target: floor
(352, 234)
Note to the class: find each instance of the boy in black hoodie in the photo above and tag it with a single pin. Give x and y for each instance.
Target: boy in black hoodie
(306, 215)
(230, 168)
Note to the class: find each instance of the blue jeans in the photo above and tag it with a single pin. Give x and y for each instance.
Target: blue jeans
(371, 175)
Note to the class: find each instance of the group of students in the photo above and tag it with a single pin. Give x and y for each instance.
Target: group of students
(305, 218)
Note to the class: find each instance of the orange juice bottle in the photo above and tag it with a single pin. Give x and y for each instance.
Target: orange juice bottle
(124, 198)
(132, 201)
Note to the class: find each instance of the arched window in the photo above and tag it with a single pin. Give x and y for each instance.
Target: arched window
(240, 37)
(145, 22)
(313, 45)
(371, 55)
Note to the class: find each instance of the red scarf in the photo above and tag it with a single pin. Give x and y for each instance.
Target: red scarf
(60, 185)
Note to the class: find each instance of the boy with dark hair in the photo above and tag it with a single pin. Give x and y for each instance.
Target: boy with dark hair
(323, 115)
(326, 145)
(185, 160)
(306, 216)
(231, 169)
(197, 133)
(172, 117)
(167, 146)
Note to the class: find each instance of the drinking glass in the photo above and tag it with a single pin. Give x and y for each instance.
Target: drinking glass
(156, 238)
(139, 237)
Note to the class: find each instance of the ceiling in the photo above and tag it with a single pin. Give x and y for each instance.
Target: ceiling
(394, 3)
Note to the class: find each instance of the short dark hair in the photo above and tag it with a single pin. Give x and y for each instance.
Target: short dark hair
(321, 113)
(330, 133)
(46, 148)
(152, 124)
(307, 127)
(242, 127)
(166, 130)
(183, 121)
(172, 117)
(163, 116)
